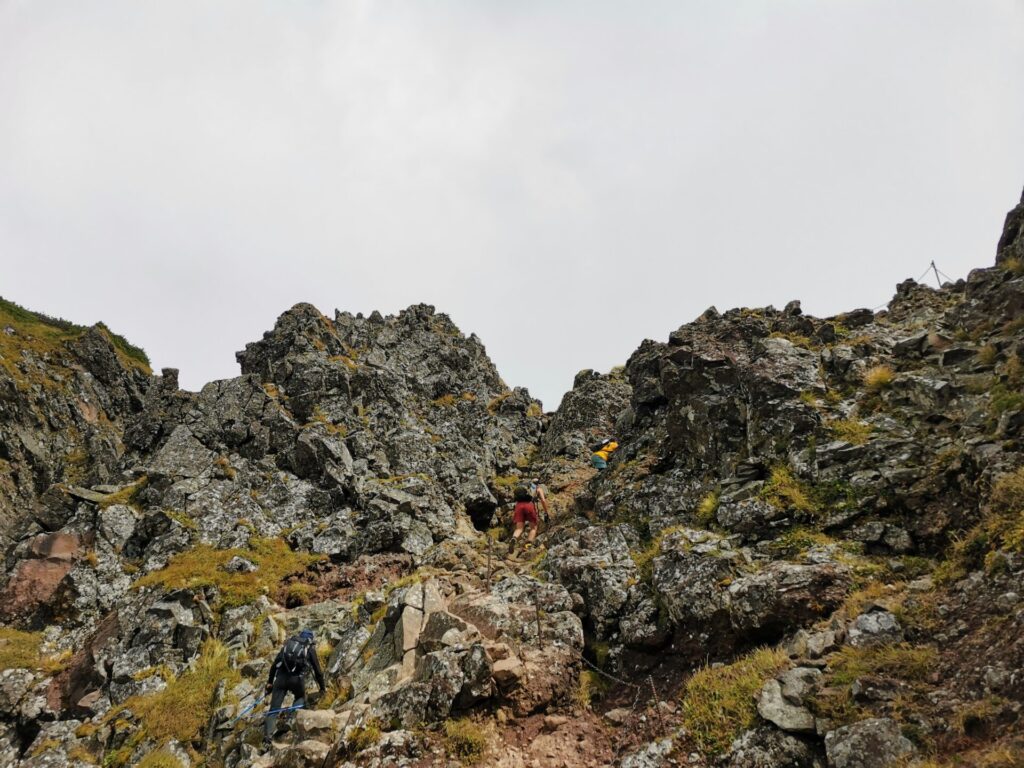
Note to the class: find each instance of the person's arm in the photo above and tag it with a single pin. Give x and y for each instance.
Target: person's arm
(543, 500)
(273, 671)
(314, 662)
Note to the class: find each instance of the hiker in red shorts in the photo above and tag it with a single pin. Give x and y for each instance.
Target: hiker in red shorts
(525, 512)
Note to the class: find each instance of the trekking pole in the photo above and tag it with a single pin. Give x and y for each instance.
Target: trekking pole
(249, 709)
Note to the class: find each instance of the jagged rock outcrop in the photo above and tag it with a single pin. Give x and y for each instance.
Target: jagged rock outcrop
(807, 551)
(66, 393)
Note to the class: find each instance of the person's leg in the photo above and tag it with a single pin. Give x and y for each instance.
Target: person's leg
(598, 463)
(533, 531)
(519, 530)
(298, 689)
(276, 699)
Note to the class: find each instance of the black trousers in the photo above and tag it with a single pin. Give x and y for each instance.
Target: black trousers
(283, 685)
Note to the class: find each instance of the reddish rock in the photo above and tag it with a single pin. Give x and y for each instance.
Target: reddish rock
(73, 689)
(33, 584)
(55, 546)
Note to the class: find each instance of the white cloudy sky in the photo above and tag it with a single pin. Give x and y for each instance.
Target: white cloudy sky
(562, 178)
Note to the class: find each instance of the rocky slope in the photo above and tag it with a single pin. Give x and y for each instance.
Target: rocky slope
(808, 552)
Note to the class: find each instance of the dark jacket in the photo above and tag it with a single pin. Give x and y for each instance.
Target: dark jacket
(312, 662)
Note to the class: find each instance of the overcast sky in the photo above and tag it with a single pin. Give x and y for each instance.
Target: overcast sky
(562, 178)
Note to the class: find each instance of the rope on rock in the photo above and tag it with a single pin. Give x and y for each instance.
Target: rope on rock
(605, 674)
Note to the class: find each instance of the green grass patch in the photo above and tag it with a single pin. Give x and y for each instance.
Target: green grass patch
(363, 737)
(850, 430)
(708, 508)
(1003, 399)
(126, 495)
(49, 333)
(203, 567)
(903, 661)
(795, 339)
(184, 707)
(159, 759)
(591, 686)
(23, 650)
(1001, 527)
(465, 739)
(718, 702)
(786, 492)
(797, 541)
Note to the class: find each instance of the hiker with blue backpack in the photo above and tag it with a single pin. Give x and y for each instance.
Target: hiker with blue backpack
(286, 676)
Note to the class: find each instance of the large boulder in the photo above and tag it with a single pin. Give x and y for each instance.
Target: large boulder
(873, 743)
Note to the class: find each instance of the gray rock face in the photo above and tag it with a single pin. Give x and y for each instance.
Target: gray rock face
(874, 743)
(714, 595)
(874, 628)
(587, 414)
(768, 748)
(64, 404)
(597, 565)
(759, 470)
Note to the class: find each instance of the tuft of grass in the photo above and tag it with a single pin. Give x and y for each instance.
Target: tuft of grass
(786, 492)
(495, 403)
(126, 495)
(851, 430)
(159, 759)
(363, 737)
(718, 702)
(590, 687)
(1013, 265)
(80, 754)
(1003, 398)
(1001, 527)
(644, 559)
(878, 377)
(318, 417)
(506, 482)
(708, 508)
(1008, 492)
(202, 567)
(797, 541)
(300, 593)
(338, 692)
(795, 339)
(184, 707)
(906, 662)
(988, 354)
(534, 411)
(445, 401)
(465, 739)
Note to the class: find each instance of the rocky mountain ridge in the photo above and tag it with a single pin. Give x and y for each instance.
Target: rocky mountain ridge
(808, 551)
